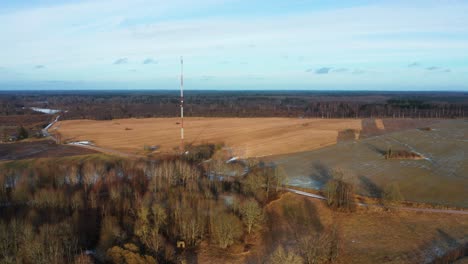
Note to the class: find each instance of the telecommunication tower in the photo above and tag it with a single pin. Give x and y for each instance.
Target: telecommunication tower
(182, 104)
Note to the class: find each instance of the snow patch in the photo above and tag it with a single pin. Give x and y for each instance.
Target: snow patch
(82, 143)
(45, 110)
(232, 159)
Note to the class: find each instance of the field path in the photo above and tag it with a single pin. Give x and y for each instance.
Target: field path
(414, 209)
(109, 151)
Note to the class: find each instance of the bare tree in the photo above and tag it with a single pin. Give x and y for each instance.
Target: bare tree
(148, 224)
(226, 229)
(339, 193)
(252, 214)
(281, 256)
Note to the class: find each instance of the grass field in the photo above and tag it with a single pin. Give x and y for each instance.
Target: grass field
(440, 178)
(248, 137)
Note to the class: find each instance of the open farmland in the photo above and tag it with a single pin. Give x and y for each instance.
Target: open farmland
(440, 178)
(248, 137)
(368, 236)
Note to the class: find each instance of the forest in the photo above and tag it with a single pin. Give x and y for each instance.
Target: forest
(104, 209)
(106, 105)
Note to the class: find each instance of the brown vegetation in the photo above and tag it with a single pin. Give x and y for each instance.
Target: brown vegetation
(128, 211)
(369, 235)
(402, 154)
(339, 193)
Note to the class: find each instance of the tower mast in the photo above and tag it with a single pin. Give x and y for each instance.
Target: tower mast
(182, 104)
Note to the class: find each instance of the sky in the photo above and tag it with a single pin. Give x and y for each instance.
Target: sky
(234, 44)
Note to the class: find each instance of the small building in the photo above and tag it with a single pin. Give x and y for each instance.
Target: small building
(181, 244)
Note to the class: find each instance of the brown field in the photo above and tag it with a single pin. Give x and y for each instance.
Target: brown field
(368, 235)
(365, 236)
(248, 137)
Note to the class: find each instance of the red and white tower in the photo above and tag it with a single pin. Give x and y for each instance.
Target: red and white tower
(182, 104)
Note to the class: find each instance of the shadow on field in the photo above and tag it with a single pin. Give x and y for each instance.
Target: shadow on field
(398, 124)
(376, 149)
(312, 216)
(346, 135)
(443, 248)
(275, 234)
(370, 187)
(321, 173)
(369, 128)
(288, 222)
(450, 241)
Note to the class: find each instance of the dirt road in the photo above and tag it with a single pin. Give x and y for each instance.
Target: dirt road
(424, 210)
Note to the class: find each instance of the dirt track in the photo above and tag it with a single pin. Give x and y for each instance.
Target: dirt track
(414, 209)
(248, 137)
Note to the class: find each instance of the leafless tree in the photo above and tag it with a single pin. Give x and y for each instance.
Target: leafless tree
(252, 214)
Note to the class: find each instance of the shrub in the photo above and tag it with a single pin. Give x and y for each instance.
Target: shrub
(392, 194)
(281, 256)
(22, 133)
(340, 194)
(200, 153)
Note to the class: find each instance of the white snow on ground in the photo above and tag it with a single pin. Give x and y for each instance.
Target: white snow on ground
(83, 143)
(45, 110)
(306, 194)
(232, 159)
(414, 209)
(45, 132)
(90, 252)
(51, 124)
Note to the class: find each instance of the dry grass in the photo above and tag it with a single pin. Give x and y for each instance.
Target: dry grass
(248, 137)
(371, 236)
(379, 124)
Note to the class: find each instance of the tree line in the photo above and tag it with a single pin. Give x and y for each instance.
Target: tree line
(115, 104)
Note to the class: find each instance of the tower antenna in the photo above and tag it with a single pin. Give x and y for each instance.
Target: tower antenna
(182, 104)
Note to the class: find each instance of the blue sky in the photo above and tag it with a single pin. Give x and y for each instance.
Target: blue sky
(232, 44)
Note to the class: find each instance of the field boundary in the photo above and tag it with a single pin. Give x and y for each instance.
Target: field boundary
(404, 208)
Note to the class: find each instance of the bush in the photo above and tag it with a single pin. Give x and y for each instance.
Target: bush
(401, 154)
(340, 194)
(22, 133)
(392, 194)
(128, 255)
(199, 153)
(280, 256)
